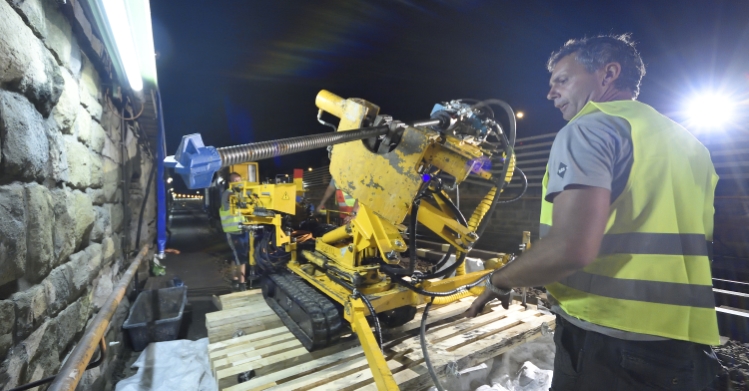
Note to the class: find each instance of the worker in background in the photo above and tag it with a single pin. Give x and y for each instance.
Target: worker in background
(237, 238)
(346, 204)
(630, 195)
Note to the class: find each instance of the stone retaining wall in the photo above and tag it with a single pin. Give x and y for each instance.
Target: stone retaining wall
(64, 221)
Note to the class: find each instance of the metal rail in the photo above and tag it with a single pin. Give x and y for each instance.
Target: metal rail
(72, 371)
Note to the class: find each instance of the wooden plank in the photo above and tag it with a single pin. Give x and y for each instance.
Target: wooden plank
(255, 354)
(455, 341)
(471, 355)
(457, 327)
(227, 376)
(281, 363)
(252, 346)
(275, 378)
(236, 315)
(357, 379)
(218, 346)
(247, 327)
(217, 302)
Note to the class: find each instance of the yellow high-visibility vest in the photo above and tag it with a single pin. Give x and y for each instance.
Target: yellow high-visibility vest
(230, 223)
(652, 274)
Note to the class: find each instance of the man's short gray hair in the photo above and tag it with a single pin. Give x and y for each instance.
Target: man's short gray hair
(598, 51)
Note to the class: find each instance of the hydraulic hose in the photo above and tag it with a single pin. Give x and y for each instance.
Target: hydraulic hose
(372, 312)
(269, 149)
(424, 352)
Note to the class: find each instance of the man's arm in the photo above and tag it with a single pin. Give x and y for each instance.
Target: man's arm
(328, 192)
(579, 221)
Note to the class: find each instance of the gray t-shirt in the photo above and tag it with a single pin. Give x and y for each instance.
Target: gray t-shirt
(593, 150)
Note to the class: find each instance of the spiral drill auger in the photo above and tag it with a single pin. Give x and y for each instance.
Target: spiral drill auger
(197, 163)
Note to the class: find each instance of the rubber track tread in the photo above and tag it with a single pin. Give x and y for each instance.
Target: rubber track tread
(332, 315)
(317, 308)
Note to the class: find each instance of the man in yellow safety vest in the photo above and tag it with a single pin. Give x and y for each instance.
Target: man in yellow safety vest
(345, 202)
(237, 238)
(626, 221)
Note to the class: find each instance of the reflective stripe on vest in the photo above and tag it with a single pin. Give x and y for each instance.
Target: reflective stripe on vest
(652, 274)
(343, 199)
(230, 223)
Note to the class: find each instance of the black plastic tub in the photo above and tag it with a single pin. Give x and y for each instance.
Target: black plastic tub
(156, 316)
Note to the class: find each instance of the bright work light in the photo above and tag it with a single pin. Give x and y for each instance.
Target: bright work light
(710, 110)
(123, 38)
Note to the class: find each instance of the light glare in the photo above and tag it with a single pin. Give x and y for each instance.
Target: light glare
(710, 111)
(123, 38)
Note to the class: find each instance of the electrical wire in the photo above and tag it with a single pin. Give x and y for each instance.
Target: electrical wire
(122, 117)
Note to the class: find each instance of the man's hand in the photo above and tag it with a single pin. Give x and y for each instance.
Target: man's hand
(320, 208)
(478, 305)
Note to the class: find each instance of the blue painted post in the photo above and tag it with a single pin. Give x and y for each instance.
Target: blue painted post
(160, 186)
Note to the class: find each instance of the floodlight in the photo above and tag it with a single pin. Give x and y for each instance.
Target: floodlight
(123, 38)
(710, 110)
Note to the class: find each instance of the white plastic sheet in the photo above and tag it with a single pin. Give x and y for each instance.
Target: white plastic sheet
(180, 365)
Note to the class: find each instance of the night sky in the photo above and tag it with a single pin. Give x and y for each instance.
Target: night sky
(244, 71)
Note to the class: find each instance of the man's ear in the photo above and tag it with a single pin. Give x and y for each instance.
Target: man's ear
(611, 72)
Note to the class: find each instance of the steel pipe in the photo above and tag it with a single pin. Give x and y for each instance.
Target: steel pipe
(71, 372)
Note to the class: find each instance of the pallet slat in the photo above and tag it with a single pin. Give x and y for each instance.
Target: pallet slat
(281, 363)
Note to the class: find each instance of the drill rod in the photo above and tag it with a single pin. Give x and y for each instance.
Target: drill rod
(269, 149)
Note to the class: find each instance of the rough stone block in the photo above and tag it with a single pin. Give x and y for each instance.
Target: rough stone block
(83, 124)
(67, 325)
(103, 288)
(84, 218)
(25, 149)
(42, 341)
(84, 311)
(7, 321)
(28, 67)
(32, 12)
(89, 88)
(64, 233)
(94, 254)
(39, 244)
(57, 287)
(31, 306)
(44, 366)
(97, 196)
(13, 229)
(79, 165)
(117, 215)
(110, 179)
(97, 137)
(6, 342)
(58, 160)
(67, 107)
(111, 149)
(108, 250)
(13, 369)
(96, 171)
(59, 38)
(80, 272)
(102, 224)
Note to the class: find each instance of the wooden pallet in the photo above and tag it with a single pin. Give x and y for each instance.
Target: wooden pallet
(280, 362)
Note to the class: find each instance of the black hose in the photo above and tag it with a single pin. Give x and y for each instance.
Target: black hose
(522, 193)
(378, 329)
(420, 291)
(423, 340)
(143, 205)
